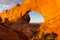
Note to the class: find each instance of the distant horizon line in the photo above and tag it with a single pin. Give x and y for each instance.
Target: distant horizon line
(36, 22)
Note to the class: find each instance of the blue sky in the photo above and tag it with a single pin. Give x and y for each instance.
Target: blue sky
(35, 16)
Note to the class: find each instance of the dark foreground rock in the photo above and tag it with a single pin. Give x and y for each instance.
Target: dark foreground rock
(7, 33)
(24, 27)
(18, 30)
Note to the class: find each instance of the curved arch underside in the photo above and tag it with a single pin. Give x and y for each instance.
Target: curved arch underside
(50, 9)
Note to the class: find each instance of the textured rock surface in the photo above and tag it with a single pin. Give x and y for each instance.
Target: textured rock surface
(50, 9)
(22, 26)
(7, 33)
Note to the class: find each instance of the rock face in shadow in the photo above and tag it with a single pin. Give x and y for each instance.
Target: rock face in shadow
(25, 27)
(19, 30)
(26, 17)
(0, 20)
(7, 33)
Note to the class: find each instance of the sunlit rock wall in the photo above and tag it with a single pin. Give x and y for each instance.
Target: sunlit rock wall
(49, 9)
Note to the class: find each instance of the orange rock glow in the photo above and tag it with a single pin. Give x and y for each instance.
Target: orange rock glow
(49, 9)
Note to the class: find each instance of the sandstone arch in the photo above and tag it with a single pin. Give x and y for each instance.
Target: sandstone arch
(50, 9)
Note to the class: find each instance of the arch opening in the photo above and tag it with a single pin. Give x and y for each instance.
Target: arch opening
(33, 17)
(36, 17)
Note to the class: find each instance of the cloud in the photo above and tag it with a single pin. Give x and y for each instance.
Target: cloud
(6, 4)
(10, 2)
